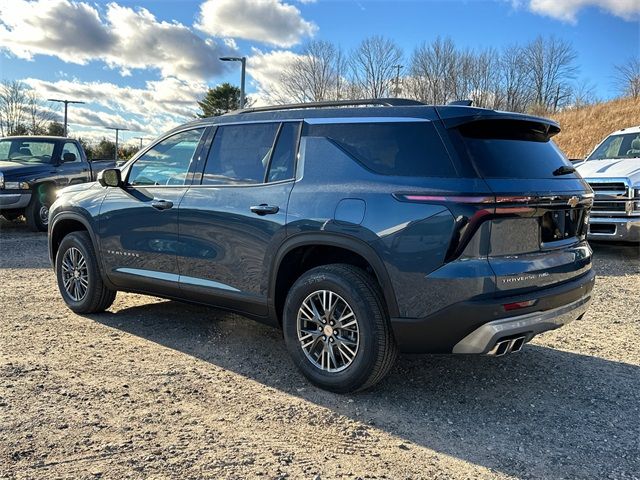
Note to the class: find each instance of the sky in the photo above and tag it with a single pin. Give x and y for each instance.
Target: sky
(143, 64)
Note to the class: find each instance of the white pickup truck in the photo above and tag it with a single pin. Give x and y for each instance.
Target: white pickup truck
(613, 171)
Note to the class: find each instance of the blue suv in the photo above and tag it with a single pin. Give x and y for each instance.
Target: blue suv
(361, 228)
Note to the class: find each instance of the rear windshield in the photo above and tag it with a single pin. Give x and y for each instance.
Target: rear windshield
(399, 148)
(512, 149)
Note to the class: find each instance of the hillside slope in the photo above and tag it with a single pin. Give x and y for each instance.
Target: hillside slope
(584, 128)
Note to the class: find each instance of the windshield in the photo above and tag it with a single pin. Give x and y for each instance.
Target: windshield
(626, 145)
(25, 150)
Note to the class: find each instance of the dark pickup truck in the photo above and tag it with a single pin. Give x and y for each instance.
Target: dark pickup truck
(33, 168)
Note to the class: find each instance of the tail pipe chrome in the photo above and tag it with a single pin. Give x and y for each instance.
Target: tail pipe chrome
(510, 345)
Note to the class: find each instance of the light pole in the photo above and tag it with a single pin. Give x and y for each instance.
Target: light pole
(242, 60)
(66, 105)
(398, 67)
(117, 129)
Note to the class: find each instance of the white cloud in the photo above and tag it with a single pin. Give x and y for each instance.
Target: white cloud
(267, 21)
(266, 69)
(124, 38)
(567, 10)
(160, 106)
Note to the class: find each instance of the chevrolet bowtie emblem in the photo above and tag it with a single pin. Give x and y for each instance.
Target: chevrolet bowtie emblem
(573, 201)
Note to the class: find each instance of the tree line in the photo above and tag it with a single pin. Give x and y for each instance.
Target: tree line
(540, 76)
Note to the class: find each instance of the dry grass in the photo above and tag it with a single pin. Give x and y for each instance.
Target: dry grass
(584, 128)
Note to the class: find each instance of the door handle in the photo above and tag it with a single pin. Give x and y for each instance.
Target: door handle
(264, 209)
(162, 204)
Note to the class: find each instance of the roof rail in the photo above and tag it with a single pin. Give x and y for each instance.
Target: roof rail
(382, 102)
(463, 103)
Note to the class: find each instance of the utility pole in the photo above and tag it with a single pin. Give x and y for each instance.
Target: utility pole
(141, 139)
(398, 67)
(118, 130)
(66, 106)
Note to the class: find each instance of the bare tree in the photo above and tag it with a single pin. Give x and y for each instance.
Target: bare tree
(373, 65)
(316, 75)
(627, 77)
(552, 69)
(39, 114)
(433, 71)
(583, 94)
(13, 100)
(516, 88)
(484, 79)
(22, 111)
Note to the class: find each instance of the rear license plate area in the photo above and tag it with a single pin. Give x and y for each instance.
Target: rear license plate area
(556, 225)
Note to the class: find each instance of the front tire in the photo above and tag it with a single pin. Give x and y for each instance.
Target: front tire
(78, 276)
(37, 214)
(336, 328)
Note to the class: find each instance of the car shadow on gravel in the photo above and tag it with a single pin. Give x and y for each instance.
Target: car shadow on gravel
(541, 412)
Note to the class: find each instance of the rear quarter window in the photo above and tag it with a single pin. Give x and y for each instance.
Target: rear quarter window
(391, 148)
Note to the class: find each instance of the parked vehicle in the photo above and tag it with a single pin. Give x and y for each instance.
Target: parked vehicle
(33, 168)
(613, 172)
(360, 230)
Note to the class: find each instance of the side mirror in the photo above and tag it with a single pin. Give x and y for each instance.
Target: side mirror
(110, 178)
(68, 157)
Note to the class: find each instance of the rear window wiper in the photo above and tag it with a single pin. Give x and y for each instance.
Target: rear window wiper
(564, 170)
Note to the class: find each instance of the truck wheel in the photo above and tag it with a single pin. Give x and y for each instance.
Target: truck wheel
(78, 275)
(37, 213)
(336, 328)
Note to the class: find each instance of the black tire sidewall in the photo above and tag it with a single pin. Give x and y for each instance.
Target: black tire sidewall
(81, 242)
(359, 371)
(33, 214)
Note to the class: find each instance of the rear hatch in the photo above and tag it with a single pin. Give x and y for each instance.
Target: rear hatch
(537, 220)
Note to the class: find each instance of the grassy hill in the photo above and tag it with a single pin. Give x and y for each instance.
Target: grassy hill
(584, 128)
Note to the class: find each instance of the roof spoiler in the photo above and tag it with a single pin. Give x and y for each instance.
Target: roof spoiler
(461, 103)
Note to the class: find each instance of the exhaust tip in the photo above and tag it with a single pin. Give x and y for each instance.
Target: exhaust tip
(517, 344)
(510, 345)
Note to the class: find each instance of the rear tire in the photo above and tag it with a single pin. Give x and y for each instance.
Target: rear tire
(346, 355)
(78, 275)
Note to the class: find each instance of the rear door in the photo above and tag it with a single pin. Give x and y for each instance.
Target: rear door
(139, 222)
(541, 211)
(233, 217)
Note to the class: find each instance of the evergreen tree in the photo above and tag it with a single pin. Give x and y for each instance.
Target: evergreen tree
(222, 99)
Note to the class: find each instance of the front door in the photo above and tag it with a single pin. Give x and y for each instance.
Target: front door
(234, 218)
(139, 222)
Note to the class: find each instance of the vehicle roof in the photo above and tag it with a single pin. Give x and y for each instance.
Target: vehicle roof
(37, 137)
(627, 130)
(449, 113)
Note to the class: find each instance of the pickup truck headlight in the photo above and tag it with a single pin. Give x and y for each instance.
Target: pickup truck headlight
(16, 186)
(636, 195)
(1, 180)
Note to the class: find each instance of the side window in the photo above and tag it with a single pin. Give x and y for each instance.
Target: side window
(239, 154)
(283, 159)
(70, 147)
(167, 163)
(401, 148)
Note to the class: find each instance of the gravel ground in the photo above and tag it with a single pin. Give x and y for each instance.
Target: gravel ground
(158, 389)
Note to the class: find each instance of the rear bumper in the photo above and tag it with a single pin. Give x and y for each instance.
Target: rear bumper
(614, 229)
(484, 338)
(475, 326)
